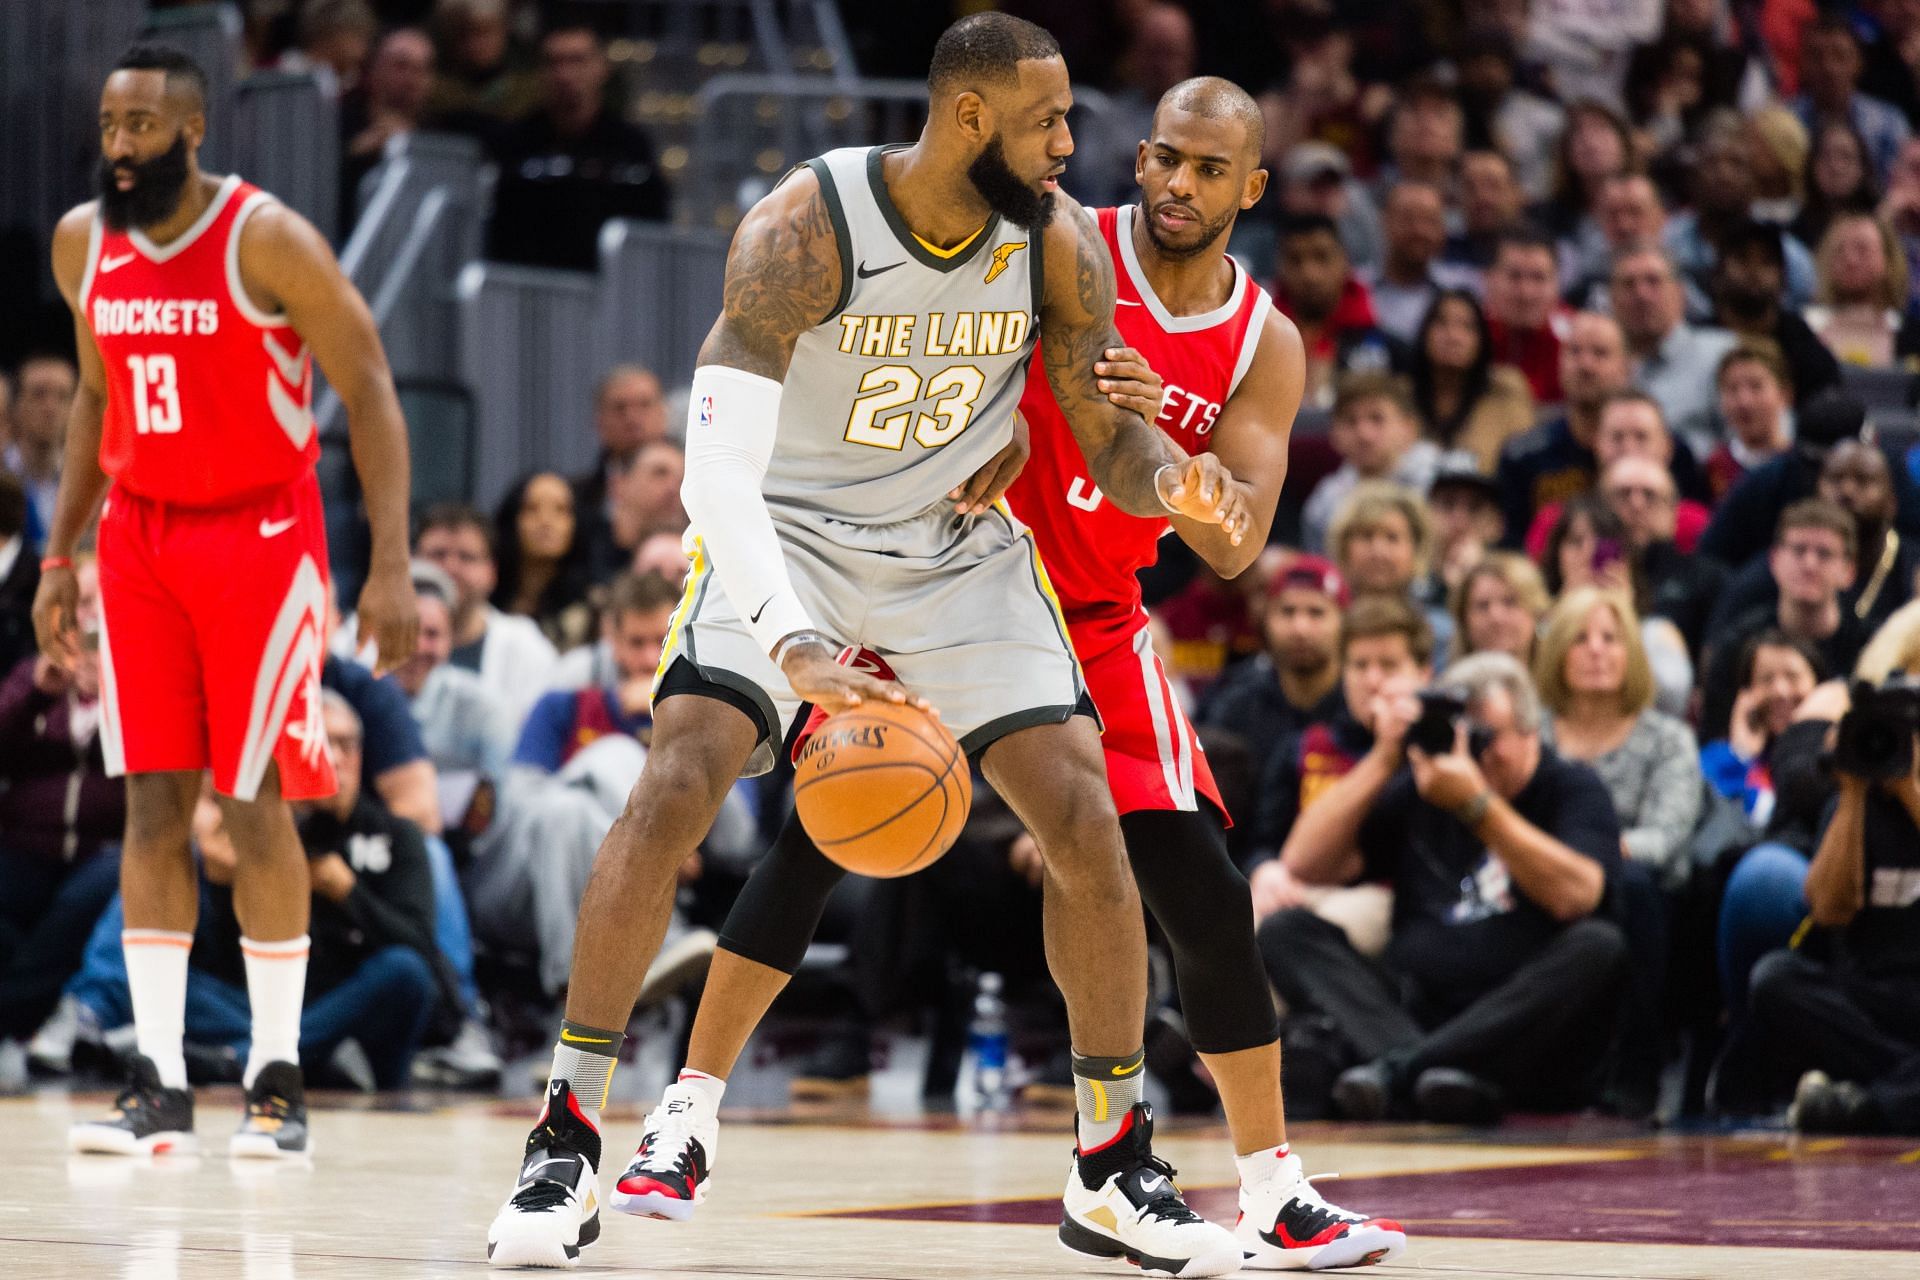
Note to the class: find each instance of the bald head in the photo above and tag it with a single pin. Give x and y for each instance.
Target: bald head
(1212, 98)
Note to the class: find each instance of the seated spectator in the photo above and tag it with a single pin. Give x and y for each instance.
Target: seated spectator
(571, 164)
(1776, 672)
(1315, 287)
(1720, 220)
(1673, 361)
(1631, 425)
(1491, 202)
(1414, 220)
(1777, 149)
(1900, 207)
(1524, 314)
(1317, 179)
(1862, 291)
(1756, 408)
(331, 42)
(1812, 561)
(543, 569)
(1520, 126)
(635, 631)
(42, 399)
(1425, 132)
(1465, 507)
(508, 652)
(19, 573)
(662, 550)
(1498, 983)
(1554, 461)
(481, 84)
(1595, 146)
(393, 760)
(1830, 67)
(1745, 518)
(1498, 605)
(1382, 541)
(1839, 179)
(468, 731)
(645, 497)
(1294, 680)
(1748, 283)
(1376, 434)
(1680, 586)
(629, 412)
(1464, 398)
(391, 101)
(1597, 685)
(1631, 213)
(1588, 547)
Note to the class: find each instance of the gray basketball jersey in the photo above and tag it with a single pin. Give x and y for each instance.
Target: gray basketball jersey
(910, 385)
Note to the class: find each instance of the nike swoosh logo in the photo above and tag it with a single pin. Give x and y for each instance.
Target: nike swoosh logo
(114, 264)
(755, 619)
(1127, 1071)
(571, 1038)
(274, 528)
(1125, 302)
(1152, 1184)
(865, 274)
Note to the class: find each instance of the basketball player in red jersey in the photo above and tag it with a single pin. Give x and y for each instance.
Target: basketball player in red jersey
(1225, 373)
(197, 304)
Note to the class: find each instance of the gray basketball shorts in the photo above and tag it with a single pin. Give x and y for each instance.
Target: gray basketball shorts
(959, 607)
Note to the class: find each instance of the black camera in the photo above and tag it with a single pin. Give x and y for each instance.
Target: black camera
(1875, 741)
(1441, 712)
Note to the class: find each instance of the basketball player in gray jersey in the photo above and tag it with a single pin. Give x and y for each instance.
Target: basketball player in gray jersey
(850, 426)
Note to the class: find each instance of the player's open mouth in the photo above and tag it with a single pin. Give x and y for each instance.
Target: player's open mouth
(1173, 218)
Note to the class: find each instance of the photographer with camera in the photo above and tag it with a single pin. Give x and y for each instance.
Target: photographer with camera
(1843, 1006)
(1497, 985)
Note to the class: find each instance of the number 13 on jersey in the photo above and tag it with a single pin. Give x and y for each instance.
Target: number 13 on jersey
(156, 395)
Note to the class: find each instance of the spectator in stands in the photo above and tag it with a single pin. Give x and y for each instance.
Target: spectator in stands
(482, 83)
(1839, 179)
(1317, 179)
(1491, 202)
(1815, 549)
(647, 497)
(1746, 517)
(394, 762)
(1886, 71)
(1382, 539)
(334, 36)
(1425, 133)
(1552, 462)
(543, 559)
(1678, 585)
(467, 729)
(571, 164)
(1523, 310)
(1747, 286)
(1414, 220)
(1377, 436)
(1595, 146)
(1721, 222)
(1845, 1014)
(1756, 407)
(1159, 55)
(1777, 149)
(1862, 292)
(1632, 426)
(1465, 400)
(629, 410)
(1857, 478)
(662, 551)
(19, 574)
(1498, 606)
(390, 101)
(41, 403)
(1631, 214)
(1667, 92)
(1294, 680)
(635, 631)
(1830, 66)
(1519, 126)
(1775, 672)
(1497, 984)
(1465, 508)
(1588, 547)
(1673, 361)
(507, 652)
(1900, 208)
(1316, 288)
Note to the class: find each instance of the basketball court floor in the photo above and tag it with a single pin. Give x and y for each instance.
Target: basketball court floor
(406, 1186)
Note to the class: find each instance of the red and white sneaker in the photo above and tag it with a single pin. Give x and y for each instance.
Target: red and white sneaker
(668, 1175)
(1284, 1225)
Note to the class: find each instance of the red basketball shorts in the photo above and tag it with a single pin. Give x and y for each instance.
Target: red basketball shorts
(213, 629)
(1154, 760)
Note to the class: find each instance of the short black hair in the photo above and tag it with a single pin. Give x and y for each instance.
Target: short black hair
(455, 516)
(1751, 233)
(179, 66)
(1213, 98)
(1294, 226)
(1525, 236)
(986, 48)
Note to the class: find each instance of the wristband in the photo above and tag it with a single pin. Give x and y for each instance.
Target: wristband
(797, 638)
(1474, 811)
(1164, 468)
(48, 563)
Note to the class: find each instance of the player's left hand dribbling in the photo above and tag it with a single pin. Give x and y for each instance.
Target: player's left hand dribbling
(1205, 491)
(389, 616)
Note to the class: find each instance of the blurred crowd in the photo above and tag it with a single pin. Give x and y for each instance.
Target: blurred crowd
(1600, 500)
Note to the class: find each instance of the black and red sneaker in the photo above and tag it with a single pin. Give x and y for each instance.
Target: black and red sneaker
(668, 1175)
(554, 1211)
(1285, 1225)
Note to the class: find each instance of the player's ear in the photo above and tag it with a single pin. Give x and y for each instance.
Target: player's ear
(194, 130)
(1140, 165)
(973, 117)
(1255, 188)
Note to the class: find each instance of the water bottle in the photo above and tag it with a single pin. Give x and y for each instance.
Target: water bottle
(987, 1043)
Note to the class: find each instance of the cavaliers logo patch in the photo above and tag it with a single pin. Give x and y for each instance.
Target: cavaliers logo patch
(1000, 257)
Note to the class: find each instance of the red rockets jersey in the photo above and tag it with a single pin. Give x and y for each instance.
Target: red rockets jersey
(209, 399)
(1091, 549)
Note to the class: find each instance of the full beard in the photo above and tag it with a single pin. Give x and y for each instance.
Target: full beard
(1005, 192)
(1209, 232)
(155, 194)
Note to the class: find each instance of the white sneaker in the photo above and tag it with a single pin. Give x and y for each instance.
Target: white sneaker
(1284, 1225)
(668, 1175)
(554, 1211)
(1136, 1213)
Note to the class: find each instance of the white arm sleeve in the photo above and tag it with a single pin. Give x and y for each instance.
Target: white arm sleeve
(732, 416)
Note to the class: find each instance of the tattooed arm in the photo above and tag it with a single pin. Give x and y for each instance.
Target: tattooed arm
(1125, 454)
(783, 277)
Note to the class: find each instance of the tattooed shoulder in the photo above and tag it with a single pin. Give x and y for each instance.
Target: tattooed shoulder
(783, 278)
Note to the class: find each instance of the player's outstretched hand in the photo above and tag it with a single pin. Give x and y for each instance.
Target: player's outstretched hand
(389, 617)
(815, 677)
(55, 607)
(1203, 490)
(997, 476)
(1130, 381)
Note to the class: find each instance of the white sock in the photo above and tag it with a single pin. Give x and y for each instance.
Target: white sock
(276, 988)
(157, 981)
(709, 1089)
(1264, 1166)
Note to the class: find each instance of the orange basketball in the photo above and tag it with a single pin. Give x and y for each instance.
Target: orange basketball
(883, 789)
